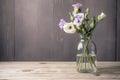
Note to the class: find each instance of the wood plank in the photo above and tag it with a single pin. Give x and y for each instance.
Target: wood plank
(118, 30)
(6, 29)
(56, 70)
(49, 42)
(33, 24)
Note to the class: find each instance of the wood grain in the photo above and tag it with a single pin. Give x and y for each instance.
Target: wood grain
(6, 29)
(33, 29)
(29, 30)
(56, 71)
(118, 31)
(38, 37)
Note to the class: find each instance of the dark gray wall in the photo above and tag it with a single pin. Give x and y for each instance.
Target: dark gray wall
(29, 29)
(34, 30)
(7, 29)
(118, 31)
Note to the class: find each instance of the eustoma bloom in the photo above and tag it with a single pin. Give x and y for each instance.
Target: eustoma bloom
(69, 28)
(78, 18)
(77, 7)
(62, 23)
(80, 22)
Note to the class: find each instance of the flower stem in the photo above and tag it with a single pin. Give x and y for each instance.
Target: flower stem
(87, 54)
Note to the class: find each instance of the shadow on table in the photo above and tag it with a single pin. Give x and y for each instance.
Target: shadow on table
(108, 70)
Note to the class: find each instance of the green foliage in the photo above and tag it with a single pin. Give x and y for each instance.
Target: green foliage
(86, 14)
(93, 23)
(88, 25)
(71, 16)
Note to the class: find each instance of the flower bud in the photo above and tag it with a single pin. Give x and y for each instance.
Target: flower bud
(77, 7)
(101, 17)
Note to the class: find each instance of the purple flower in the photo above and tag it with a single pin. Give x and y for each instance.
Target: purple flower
(78, 18)
(78, 5)
(62, 23)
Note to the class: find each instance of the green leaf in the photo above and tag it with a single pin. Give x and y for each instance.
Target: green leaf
(92, 26)
(93, 23)
(86, 14)
(71, 16)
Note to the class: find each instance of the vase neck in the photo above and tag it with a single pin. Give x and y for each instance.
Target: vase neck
(84, 37)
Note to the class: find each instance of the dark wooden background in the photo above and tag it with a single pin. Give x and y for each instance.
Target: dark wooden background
(29, 30)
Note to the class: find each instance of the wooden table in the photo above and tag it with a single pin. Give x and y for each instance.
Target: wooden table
(56, 71)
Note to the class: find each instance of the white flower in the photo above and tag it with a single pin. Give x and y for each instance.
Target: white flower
(69, 28)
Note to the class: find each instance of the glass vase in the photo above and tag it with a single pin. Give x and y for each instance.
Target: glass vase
(86, 56)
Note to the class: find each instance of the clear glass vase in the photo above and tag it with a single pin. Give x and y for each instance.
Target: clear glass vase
(86, 56)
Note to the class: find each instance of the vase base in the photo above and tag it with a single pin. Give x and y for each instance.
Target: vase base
(87, 71)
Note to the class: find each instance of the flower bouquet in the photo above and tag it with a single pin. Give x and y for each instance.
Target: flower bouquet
(84, 26)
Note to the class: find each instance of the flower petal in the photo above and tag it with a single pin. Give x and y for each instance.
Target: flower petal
(62, 23)
(78, 18)
(78, 5)
(69, 28)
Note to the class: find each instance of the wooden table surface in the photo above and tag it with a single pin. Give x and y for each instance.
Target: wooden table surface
(56, 71)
